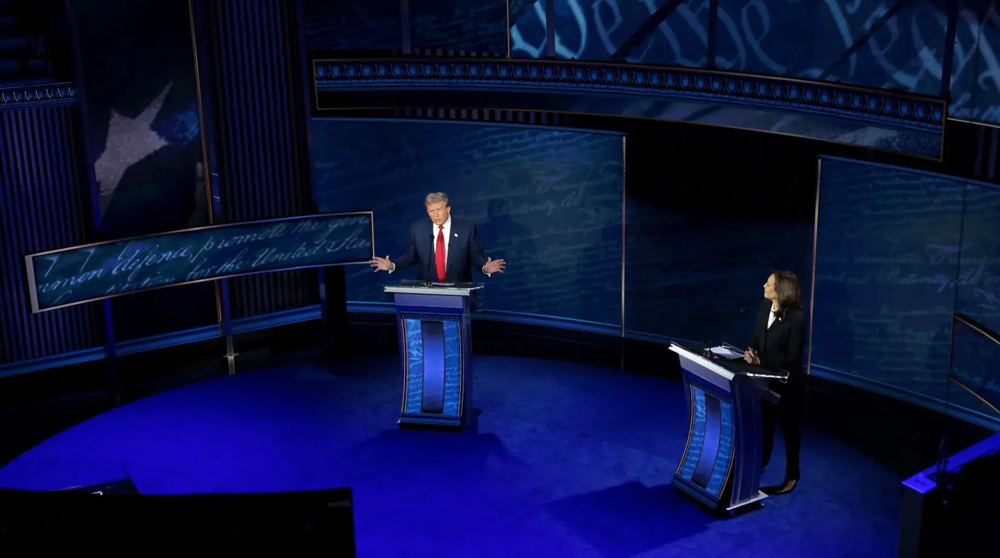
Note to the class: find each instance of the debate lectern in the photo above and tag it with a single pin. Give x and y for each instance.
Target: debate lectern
(434, 350)
(721, 465)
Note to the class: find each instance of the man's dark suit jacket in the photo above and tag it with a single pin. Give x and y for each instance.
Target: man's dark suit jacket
(464, 251)
(782, 345)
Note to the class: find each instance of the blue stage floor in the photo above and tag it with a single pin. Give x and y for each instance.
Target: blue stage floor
(565, 460)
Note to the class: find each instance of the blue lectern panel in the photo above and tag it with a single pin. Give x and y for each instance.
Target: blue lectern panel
(710, 442)
(452, 367)
(433, 369)
(712, 423)
(432, 337)
(414, 365)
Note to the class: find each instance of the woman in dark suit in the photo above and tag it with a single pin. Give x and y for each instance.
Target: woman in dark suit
(778, 342)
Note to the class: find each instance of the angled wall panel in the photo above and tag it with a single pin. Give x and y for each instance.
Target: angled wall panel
(44, 205)
(263, 159)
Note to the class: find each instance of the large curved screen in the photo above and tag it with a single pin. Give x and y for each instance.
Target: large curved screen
(548, 202)
(898, 254)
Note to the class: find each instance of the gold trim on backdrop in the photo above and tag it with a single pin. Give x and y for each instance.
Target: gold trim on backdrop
(373, 233)
(405, 360)
(944, 127)
(32, 292)
(971, 391)
(621, 346)
(812, 287)
(979, 328)
(974, 122)
(624, 182)
(315, 87)
(509, 24)
(201, 118)
(206, 169)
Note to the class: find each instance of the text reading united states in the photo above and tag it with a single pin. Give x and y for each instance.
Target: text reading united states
(84, 273)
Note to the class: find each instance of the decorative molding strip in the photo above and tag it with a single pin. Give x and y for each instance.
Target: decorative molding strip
(20, 96)
(484, 115)
(587, 78)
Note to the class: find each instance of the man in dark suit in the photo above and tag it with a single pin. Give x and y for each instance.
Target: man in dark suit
(444, 249)
(778, 342)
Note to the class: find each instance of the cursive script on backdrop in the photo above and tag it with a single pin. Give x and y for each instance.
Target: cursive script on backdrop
(84, 273)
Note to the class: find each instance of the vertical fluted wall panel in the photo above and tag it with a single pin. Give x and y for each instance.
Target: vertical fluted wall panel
(43, 206)
(263, 158)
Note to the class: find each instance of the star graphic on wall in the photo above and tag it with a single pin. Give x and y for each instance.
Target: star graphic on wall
(130, 140)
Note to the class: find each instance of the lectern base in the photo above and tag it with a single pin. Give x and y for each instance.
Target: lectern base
(756, 500)
(697, 494)
(424, 422)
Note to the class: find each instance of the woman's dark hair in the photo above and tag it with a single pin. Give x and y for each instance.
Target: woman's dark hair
(789, 292)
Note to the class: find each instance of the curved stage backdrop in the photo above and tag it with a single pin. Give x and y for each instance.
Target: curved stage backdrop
(552, 204)
(548, 202)
(898, 254)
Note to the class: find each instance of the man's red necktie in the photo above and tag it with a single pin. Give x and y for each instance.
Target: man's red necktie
(439, 253)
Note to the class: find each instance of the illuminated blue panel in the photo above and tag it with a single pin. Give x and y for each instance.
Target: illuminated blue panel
(978, 295)
(887, 240)
(898, 253)
(811, 40)
(432, 342)
(598, 29)
(416, 360)
(709, 435)
(696, 437)
(679, 40)
(545, 200)
(414, 365)
(710, 443)
(452, 367)
(725, 454)
(975, 70)
(976, 365)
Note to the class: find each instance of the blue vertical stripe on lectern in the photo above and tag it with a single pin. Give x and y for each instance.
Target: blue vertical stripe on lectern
(414, 365)
(710, 448)
(433, 341)
(452, 367)
(696, 436)
(724, 453)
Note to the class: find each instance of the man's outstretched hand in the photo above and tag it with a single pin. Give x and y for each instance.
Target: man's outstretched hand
(381, 264)
(494, 266)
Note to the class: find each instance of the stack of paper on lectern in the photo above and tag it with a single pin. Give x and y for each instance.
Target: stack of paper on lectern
(726, 351)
